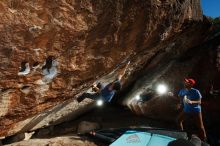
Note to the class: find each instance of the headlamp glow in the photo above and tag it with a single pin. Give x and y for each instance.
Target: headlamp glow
(99, 102)
(161, 89)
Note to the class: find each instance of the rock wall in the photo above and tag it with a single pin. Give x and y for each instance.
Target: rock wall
(52, 50)
(198, 63)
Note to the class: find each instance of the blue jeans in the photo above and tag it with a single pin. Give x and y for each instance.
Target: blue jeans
(94, 96)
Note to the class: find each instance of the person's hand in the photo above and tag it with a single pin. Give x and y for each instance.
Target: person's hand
(127, 64)
(186, 100)
(189, 101)
(93, 85)
(170, 94)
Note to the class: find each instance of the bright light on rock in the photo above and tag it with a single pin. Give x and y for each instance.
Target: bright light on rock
(161, 89)
(99, 103)
(137, 97)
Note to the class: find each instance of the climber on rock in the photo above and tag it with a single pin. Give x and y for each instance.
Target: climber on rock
(107, 92)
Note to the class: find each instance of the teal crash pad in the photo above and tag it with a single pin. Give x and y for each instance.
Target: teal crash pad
(137, 138)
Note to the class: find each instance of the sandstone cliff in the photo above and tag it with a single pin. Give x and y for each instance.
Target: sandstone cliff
(52, 50)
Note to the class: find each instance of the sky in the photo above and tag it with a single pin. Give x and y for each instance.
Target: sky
(211, 8)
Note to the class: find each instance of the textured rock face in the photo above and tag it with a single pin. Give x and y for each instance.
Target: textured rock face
(53, 50)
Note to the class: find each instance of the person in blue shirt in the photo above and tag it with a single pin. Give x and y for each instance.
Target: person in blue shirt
(107, 92)
(190, 100)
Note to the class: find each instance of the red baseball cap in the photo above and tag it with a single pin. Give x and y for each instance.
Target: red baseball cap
(190, 81)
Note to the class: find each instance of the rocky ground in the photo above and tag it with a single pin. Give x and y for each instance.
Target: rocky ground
(108, 116)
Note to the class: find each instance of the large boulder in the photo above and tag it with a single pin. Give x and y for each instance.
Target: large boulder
(86, 126)
(51, 51)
